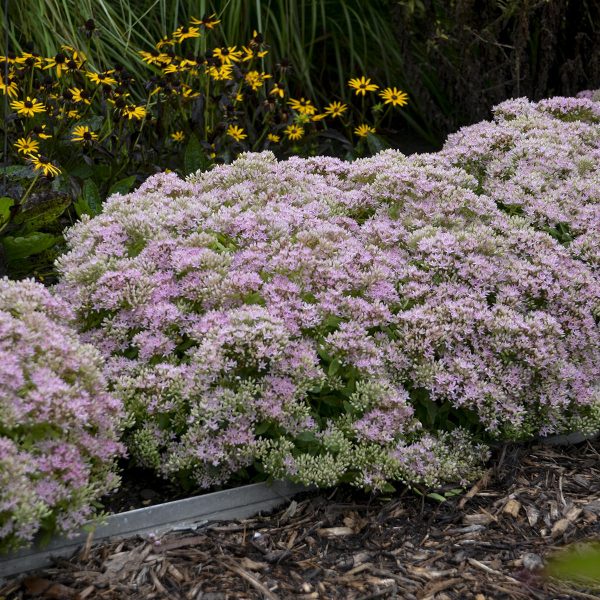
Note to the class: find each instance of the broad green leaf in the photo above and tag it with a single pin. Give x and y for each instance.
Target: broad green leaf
(334, 367)
(376, 144)
(195, 157)
(577, 563)
(43, 210)
(5, 205)
(122, 186)
(437, 497)
(91, 195)
(28, 245)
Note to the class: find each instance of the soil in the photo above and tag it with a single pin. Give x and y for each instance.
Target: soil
(492, 541)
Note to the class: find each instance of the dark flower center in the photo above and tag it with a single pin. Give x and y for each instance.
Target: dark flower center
(60, 58)
(28, 104)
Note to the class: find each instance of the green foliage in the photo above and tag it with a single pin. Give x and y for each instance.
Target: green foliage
(580, 564)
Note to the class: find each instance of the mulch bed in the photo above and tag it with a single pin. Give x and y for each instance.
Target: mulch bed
(490, 542)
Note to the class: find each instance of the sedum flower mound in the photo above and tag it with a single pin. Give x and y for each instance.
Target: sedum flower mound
(541, 161)
(333, 322)
(59, 427)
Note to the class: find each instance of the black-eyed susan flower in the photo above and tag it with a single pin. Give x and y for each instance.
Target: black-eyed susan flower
(58, 62)
(277, 90)
(273, 137)
(255, 79)
(83, 134)
(177, 136)
(362, 85)
(294, 132)
(164, 43)
(28, 107)
(394, 96)
(335, 109)
(9, 87)
(188, 92)
(10, 58)
(209, 22)
(103, 78)
(185, 33)
(302, 106)
(80, 95)
(41, 163)
(239, 97)
(29, 59)
(364, 130)
(237, 133)
(40, 131)
(133, 112)
(228, 54)
(27, 146)
(222, 73)
(155, 57)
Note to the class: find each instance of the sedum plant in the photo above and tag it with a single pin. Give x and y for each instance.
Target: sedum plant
(332, 322)
(59, 426)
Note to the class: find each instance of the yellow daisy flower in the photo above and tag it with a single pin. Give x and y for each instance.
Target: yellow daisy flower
(364, 130)
(31, 60)
(27, 145)
(208, 22)
(294, 132)
(40, 131)
(228, 54)
(80, 95)
(394, 97)
(165, 41)
(154, 57)
(27, 107)
(277, 90)
(362, 85)
(58, 62)
(237, 133)
(134, 112)
(184, 33)
(335, 109)
(83, 134)
(41, 163)
(239, 97)
(178, 136)
(255, 79)
(222, 73)
(303, 106)
(9, 86)
(273, 137)
(101, 78)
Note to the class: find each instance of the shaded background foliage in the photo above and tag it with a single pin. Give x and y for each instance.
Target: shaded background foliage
(461, 57)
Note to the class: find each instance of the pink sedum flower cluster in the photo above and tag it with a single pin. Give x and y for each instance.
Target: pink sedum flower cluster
(59, 427)
(325, 320)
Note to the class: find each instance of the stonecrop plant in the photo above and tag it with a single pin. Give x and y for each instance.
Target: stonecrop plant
(59, 427)
(80, 130)
(541, 161)
(328, 321)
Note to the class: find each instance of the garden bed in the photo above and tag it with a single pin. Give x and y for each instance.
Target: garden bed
(490, 542)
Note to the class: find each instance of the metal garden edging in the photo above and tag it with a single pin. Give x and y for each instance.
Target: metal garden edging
(237, 503)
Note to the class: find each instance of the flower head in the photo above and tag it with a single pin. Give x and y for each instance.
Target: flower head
(394, 96)
(294, 132)
(28, 107)
(177, 136)
(83, 134)
(41, 163)
(184, 33)
(335, 109)
(302, 106)
(237, 133)
(104, 78)
(362, 85)
(27, 145)
(364, 130)
(228, 54)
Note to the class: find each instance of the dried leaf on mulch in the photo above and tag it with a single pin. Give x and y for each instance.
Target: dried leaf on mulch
(491, 542)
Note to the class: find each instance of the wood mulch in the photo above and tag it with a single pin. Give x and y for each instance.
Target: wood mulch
(490, 542)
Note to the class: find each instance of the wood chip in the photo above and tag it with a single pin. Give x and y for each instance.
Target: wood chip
(512, 508)
(332, 532)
